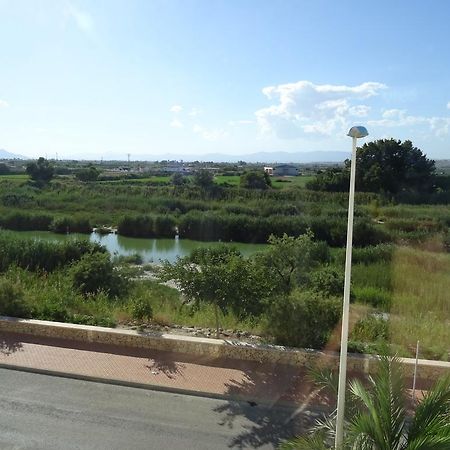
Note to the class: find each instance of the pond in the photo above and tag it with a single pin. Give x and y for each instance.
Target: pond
(151, 250)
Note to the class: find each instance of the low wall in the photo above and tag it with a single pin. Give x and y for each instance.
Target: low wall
(211, 348)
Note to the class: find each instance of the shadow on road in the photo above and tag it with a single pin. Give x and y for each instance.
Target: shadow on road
(268, 390)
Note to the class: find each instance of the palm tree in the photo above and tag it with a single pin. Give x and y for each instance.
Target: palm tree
(378, 416)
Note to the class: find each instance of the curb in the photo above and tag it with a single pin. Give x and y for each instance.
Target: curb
(156, 388)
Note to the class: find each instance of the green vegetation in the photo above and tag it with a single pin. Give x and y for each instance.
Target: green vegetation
(90, 173)
(386, 166)
(400, 260)
(379, 415)
(255, 180)
(40, 171)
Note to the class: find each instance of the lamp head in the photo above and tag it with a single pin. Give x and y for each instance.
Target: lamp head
(358, 132)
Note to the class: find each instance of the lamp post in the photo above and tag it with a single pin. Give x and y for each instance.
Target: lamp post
(355, 133)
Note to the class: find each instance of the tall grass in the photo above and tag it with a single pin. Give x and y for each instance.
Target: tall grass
(37, 255)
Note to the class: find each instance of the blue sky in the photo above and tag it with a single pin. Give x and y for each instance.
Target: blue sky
(88, 79)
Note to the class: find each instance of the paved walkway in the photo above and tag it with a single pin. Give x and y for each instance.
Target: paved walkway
(235, 379)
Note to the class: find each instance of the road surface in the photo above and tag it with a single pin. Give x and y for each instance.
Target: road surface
(45, 412)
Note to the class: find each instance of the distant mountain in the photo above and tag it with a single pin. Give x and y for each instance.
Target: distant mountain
(8, 155)
(281, 157)
(260, 157)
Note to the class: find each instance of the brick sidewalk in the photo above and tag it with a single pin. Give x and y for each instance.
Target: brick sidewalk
(234, 379)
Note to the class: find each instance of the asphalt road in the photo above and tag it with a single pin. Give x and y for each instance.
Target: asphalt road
(45, 412)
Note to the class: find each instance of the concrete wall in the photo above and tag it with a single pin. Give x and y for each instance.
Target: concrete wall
(211, 348)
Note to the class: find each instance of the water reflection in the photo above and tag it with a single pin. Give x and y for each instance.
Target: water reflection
(151, 250)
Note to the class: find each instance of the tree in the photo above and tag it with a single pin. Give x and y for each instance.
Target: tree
(4, 169)
(254, 179)
(331, 180)
(90, 173)
(388, 165)
(288, 259)
(221, 277)
(378, 416)
(384, 166)
(178, 179)
(204, 179)
(40, 171)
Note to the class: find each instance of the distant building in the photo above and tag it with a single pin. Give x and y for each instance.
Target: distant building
(282, 170)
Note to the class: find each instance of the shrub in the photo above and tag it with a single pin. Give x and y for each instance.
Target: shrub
(51, 309)
(95, 272)
(327, 281)
(87, 319)
(370, 329)
(303, 319)
(12, 301)
(135, 258)
(141, 309)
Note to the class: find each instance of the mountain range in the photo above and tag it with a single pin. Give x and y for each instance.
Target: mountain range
(260, 157)
(8, 155)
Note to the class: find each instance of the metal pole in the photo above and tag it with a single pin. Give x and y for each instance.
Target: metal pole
(346, 308)
(415, 372)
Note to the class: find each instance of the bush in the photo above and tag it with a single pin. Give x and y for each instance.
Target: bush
(370, 329)
(327, 281)
(141, 309)
(94, 273)
(135, 258)
(304, 319)
(12, 301)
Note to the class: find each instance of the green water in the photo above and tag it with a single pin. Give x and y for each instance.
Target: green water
(151, 250)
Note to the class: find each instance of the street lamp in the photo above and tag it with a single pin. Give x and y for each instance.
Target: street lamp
(355, 133)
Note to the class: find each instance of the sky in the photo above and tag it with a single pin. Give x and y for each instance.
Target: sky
(104, 78)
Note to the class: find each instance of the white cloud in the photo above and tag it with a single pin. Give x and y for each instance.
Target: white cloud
(194, 112)
(448, 105)
(359, 110)
(83, 20)
(304, 107)
(400, 118)
(3, 104)
(176, 124)
(209, 135)
(176, 109)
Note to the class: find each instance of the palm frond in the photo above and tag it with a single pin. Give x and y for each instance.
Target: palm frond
(381, 422)
(430, 428)
(316, 441)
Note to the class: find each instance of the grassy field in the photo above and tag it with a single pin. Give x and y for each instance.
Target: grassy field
(277, 182)
(413, 289)
(18, 178)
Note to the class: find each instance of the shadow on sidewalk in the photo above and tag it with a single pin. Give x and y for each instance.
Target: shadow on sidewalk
(166, 365)
(9, 344)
